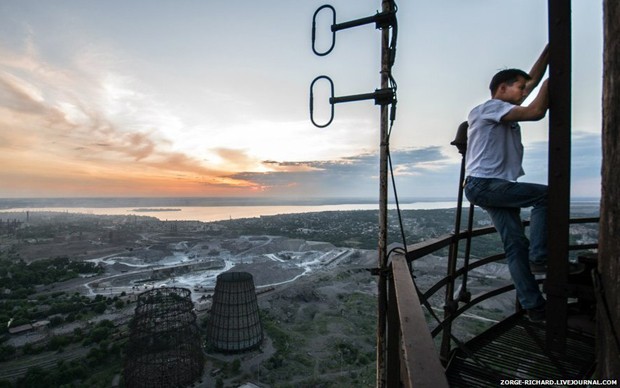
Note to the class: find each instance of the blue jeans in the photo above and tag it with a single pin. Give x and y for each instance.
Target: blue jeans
(503, 201)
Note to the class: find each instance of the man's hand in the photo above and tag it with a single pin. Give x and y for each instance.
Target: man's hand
(533, 112)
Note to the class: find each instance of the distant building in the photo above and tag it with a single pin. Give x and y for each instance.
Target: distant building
(234, 324)
(164, 348)
(21, 329)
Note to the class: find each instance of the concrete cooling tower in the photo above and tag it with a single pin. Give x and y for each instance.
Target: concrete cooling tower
(164, 348)
(234, 324)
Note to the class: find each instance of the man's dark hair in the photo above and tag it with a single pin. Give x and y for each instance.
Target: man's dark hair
(508, 76)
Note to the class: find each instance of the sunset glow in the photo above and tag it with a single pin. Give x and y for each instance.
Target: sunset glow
(143, 99)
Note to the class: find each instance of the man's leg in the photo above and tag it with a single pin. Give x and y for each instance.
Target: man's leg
(508, 223)
(500, 193)
(539, 230)
(503, 200)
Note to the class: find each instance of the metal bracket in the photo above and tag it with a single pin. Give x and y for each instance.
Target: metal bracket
(381, 20)
(378, 271)
(381, 96)
(384, 96)
(451, 307)
(464, 296)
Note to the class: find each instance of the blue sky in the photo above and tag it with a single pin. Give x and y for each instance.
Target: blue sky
(203, 98)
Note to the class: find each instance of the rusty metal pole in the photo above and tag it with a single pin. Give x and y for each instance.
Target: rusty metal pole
(382, 302)
(559, 170)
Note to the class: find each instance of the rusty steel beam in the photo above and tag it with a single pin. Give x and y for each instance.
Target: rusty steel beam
(420, 366)
(559, 13)
(393, 353)
(387, 6)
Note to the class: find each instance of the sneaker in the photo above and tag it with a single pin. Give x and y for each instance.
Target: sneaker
(541, 269)
(537, 314)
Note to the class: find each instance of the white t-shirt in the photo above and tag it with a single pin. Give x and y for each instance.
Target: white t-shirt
(494, 148)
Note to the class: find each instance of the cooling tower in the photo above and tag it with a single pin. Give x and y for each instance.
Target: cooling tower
(164, 344)
(234, 324)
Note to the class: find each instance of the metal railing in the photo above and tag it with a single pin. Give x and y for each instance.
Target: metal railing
(412, 357)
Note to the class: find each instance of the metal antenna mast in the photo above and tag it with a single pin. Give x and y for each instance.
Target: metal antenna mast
(386, 95)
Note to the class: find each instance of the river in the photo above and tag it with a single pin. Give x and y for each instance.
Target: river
(218, 213)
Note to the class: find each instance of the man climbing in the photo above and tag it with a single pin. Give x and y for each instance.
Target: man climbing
(493, 165)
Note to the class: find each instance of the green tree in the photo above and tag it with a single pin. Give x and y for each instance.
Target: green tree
(235, 366)
(35, 377)
(99, 333)
(100, 307)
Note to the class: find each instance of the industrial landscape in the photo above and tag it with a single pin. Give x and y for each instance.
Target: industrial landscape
(127, 256)
(70, 322)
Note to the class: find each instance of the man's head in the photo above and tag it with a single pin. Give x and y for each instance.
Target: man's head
(510, 81)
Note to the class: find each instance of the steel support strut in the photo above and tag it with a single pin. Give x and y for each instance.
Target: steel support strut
(382, 302)
(559, 170)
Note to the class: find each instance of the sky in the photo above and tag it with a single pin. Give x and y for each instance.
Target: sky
(198, 98)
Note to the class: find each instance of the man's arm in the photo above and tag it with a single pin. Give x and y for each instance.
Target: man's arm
(538, 70)
(533, 112)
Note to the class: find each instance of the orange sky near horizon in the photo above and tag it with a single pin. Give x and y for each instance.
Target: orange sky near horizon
(173, 99)
(42, 151)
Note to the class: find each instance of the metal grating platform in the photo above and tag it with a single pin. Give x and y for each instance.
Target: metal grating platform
(515, 349)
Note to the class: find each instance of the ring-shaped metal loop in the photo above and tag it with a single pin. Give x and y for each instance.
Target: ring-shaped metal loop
(314, 30)
(331, 85)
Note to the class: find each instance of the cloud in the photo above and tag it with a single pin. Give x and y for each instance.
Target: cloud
(419, 172)
(17, 94)
(355, 175)
(234, 159)
(53, 126)
(97, 104)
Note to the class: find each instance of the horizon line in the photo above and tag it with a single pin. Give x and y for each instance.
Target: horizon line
(103, 202)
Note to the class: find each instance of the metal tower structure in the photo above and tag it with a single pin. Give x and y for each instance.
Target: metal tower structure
(385, 97)
(234, 323)
(164, 345)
